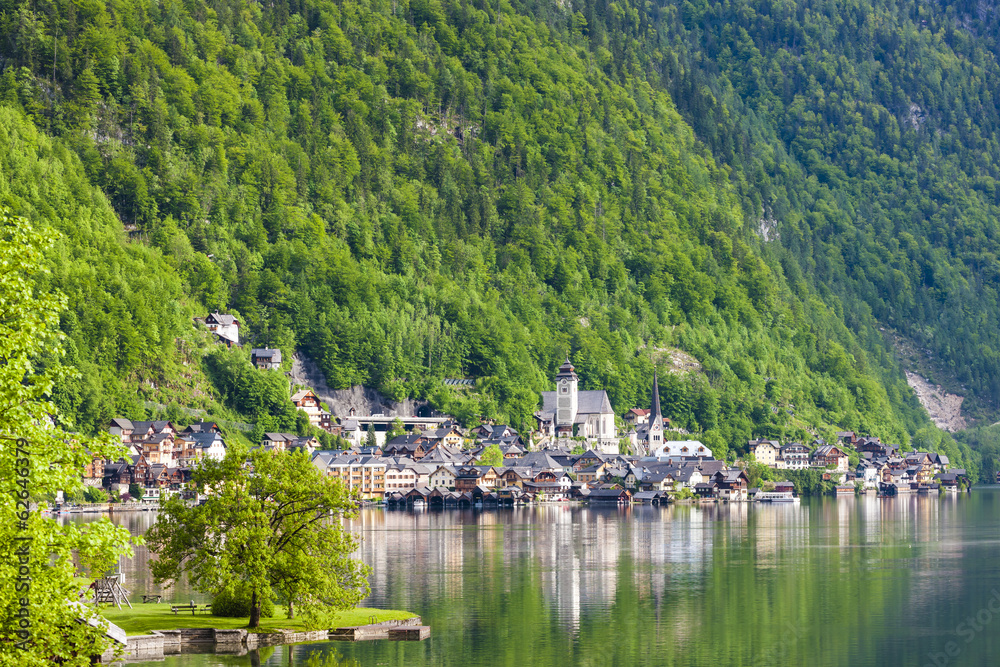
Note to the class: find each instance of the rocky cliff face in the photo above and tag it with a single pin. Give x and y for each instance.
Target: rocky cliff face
(363, 400)
(944, 409)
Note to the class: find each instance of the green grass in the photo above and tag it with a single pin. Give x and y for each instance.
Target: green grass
(144, 618)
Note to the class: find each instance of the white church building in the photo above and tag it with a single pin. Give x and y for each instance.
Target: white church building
(568, 411)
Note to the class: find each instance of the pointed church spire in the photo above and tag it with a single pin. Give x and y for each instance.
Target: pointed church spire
(655, 416)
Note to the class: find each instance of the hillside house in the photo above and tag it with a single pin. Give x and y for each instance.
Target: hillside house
(226, 327)
(309, 403)
(793, 457)
(830, 456)
(265, 358)
(766, 451)
(123, 428)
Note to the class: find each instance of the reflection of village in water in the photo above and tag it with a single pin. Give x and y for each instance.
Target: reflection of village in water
(580, 552)
(683, 579)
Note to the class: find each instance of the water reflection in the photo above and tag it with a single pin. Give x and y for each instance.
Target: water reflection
(847, 581)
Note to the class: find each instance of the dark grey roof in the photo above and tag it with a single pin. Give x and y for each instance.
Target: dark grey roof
(407, 441)
(535, 460)
(222, 319)
(588, 402)
(600, 494)
(266, 353)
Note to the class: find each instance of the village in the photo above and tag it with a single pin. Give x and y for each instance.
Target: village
(575, 453)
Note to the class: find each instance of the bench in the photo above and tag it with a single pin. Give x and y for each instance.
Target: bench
(151, 598)
(191, 608)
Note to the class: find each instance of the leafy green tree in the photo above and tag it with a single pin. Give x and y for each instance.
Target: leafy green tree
(370, 439)
(757, 472)
(94, 494)
(491, 456)
(39, 626)
(396, 429)
(271, 521)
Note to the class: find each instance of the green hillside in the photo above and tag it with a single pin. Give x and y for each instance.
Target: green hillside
(409, 192)
(864, 134)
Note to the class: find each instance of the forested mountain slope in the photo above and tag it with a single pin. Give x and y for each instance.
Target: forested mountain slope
(864, 135)
(415, 191)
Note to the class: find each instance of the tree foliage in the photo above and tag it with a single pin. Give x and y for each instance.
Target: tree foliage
(409, 194)
(491, 456)
(38, 624)
(271, 523)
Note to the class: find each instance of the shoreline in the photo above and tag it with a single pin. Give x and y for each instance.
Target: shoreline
(144, 618)
(240, 641)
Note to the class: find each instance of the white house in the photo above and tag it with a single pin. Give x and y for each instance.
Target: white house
(208, 445)
(225, 327)
(444, 477)
(688, 449)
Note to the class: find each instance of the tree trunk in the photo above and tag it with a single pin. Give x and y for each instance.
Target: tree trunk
(291, 610)
(254, 610)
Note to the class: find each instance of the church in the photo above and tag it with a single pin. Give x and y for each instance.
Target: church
(568, 411)
(649, 436)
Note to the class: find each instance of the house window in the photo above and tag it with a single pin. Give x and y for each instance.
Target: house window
(564, 389)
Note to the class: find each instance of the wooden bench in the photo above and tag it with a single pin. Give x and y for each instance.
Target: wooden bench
(191, 608)
(151, 598)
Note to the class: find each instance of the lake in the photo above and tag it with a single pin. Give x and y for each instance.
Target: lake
(850, 581)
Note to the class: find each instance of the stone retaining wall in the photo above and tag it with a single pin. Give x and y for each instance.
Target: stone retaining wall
(238, 642)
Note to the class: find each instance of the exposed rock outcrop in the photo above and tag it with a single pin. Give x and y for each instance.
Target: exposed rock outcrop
(364, 401)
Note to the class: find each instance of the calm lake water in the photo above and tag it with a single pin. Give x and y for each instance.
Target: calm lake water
(850, 581)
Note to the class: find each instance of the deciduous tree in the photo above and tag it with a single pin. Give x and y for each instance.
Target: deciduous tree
(38, 589)
(270, 521)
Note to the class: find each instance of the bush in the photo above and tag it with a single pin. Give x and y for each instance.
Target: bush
(95, 495)
(237, 605)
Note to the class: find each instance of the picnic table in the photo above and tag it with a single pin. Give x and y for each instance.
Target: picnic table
(193, 608)
(151, 598)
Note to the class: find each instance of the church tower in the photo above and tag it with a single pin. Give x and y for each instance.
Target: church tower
(567, 397)
(654, 434)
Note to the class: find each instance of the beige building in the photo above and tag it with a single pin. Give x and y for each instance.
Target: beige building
(766, 451)
(366, 474)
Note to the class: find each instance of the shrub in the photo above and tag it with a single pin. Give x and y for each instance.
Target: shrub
(95, 495)
(237, 605)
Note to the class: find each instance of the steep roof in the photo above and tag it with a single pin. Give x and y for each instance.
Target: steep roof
(655, 416)
(536, 460)
(223, 319)
(588, 402)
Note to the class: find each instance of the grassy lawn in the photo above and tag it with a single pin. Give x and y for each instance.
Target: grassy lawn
(144, 618)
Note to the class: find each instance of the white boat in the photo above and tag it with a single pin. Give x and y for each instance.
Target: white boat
(776, 497)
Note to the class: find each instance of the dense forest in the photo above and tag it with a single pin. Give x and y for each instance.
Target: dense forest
(414, 191)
